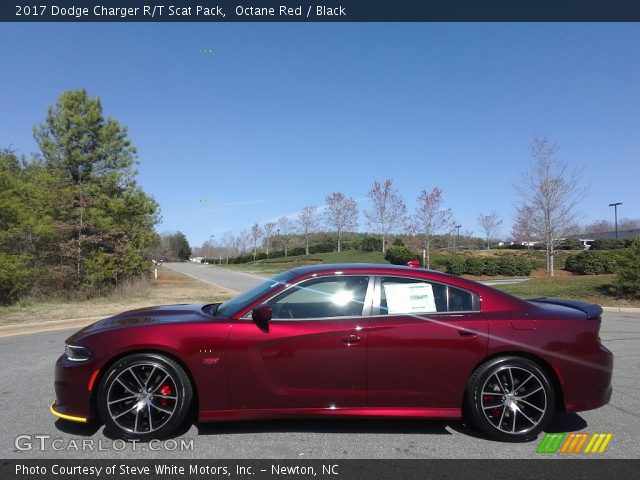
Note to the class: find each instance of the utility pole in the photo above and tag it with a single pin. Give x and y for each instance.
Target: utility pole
(457, 239)
(615, 209)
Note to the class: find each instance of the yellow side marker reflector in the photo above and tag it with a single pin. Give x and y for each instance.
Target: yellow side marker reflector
(66, 417)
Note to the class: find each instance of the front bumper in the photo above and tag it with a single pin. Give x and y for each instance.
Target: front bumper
(63, 416)
(74, 385)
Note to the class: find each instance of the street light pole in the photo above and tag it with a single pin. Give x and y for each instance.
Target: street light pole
(457, 240)
(211, 237)
(615, 209)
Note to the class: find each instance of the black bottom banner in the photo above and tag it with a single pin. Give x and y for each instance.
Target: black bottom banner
(321, 469)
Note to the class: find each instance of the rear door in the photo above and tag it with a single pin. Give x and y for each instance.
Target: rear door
(425, 339)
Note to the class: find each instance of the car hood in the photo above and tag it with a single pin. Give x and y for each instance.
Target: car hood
(148, 316)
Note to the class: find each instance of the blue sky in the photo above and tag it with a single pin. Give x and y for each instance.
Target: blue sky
(277, 116)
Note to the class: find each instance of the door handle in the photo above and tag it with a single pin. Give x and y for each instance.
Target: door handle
(463, 332)
(350, 339)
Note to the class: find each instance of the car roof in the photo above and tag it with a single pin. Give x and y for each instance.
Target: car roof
(373, 269)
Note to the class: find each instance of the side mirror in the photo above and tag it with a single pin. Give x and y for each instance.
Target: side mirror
(262, 315)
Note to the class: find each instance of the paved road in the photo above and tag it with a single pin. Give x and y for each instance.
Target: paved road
(237, 281)
(26, 391)
(241, 281)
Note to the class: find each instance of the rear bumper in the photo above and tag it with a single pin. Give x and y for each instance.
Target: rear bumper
(590, 388)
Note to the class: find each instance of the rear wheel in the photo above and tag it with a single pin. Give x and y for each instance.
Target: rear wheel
(144, 396)
(510, 399)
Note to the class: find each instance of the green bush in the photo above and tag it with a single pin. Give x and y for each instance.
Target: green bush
(507, 265)
(523, 265)
(628, 266)
(475, 266)
(371, 243)
(570, 244)
(592, 262)
(399, 255)
(456, 265)
(610, 244)
(16, 277)
(491, 266)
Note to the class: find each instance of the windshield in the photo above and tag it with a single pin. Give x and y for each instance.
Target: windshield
(232, 306)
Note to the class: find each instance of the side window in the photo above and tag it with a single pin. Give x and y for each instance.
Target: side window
(459, 300)
(322, 297)
(407, 295)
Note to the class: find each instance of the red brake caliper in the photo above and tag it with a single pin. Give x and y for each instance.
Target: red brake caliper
(494, 412)
(165, 390)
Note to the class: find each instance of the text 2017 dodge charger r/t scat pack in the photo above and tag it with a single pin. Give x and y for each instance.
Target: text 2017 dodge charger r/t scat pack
(340, 340)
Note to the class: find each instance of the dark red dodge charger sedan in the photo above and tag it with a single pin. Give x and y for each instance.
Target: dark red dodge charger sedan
(341, 340)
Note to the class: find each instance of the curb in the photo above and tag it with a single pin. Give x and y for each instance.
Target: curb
(621, 309)
(27, 328)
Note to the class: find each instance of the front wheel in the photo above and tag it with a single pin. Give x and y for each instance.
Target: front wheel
(144, 396)
(510, 399)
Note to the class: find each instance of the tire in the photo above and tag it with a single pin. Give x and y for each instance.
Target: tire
(510, 399)
(144, 396)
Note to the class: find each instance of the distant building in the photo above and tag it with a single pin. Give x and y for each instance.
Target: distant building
(622, 234)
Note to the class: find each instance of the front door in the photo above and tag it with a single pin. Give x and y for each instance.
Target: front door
(313, 352)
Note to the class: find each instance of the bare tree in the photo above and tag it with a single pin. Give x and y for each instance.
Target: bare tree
(269, 228)
(430, 218)
(243, 239)
(228, 240)
(490, 225)
(341, 214)
(256, 235)
(522, 229)
(388, 210)
(286, 226)
(308, 220)
(628, 224)
(600, 226)
(552, 191)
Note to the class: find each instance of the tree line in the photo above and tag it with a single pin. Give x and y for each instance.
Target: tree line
(549, 195)
(72, 217)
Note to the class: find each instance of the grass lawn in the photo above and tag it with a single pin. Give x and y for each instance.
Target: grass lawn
(277, 265)
(590, 288)
(171, 287)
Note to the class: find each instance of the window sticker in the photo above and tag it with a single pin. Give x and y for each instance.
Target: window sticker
(409, 297)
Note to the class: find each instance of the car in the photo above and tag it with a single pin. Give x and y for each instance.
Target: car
(340, 340)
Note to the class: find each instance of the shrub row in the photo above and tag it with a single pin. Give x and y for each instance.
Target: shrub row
(593, 262)
(508, 265)
(611, 243)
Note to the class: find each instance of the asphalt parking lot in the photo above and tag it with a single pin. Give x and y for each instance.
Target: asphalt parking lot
(30, 431)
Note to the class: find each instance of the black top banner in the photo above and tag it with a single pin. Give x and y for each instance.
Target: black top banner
(321, 11)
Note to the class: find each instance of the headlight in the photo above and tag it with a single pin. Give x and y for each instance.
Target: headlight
(76, 353)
